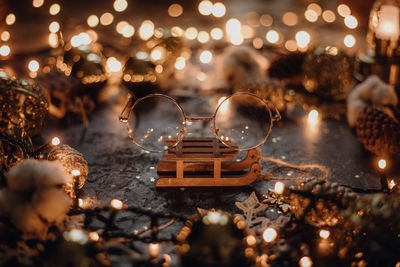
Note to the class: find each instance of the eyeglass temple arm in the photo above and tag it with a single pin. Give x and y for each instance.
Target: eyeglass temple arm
(123, 117)
(276, 115)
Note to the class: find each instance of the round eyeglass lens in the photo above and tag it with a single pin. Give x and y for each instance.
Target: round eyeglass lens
(155, 122)
(243, 120)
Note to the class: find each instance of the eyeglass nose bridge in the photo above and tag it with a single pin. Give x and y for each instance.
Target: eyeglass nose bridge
(193, 119)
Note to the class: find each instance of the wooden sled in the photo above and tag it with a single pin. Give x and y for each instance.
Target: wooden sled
(198, 162)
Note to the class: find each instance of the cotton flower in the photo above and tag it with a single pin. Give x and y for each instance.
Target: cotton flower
(34, 200)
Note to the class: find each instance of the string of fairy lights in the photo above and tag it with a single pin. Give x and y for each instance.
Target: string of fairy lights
(255, 29)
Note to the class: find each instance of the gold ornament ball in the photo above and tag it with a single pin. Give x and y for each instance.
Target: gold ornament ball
(73, 163)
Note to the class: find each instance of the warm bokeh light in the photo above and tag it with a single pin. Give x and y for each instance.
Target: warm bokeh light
(279, 187)
(233, 27)
(272, 36)
(180, 63)
(251, 240)
(311, 15)
(382, 164)
(175, 10)
(206, 7)
(33, 65)
(5, 36)
(4, 50)
(349, 40)
(94, 236)
(37, 3)
(350, 22)
(247, 31)
(159, 68)
(391, 184)
(324, 234)
(113, 65)
(303, 39)
(116, 204)
(290, 18)
(203, 37)
(120, 5)
(315, 7)
(236, 39)
(76, 172)
(106, 18)
(54, 9)
(157, 53)
(55, 141)
(81, 39)
(270, 235)
(343, 10)
(205, 56)
(266, 20)
(154, 249)
(128, 31)
(258, 43)
(191, 33)
(10, 19)
(92, 21)
(218, 10)
(305, 262)
(177, 31)
(146, 30)
(54, 26)
(328, 16)
(313, 116)
(120, 26)
(217, 33)
(291, 45)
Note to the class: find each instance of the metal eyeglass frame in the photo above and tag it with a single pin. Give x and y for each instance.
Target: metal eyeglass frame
(131, 103)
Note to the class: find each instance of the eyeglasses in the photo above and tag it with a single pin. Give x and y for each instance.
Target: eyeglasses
(156, 122)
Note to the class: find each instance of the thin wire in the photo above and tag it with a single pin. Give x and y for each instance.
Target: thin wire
(303, 168)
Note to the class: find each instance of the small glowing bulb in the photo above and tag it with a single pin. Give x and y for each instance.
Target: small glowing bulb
(382, 164)
(272, 36)
(206, 7)
(270, 235)
(154, 249)
(290, 18)
(94, 236)
(116, 204)
(311, 15)
(218, 10)
(251, 240)
(113, 65)
(55, 141)
(329, 16)
(305, 262)
(177, 31)
(175, 10)
(75, 172)
(80, 202)
(233, 27)
(206, 56)
(10, 19)
(146, 30)
(128, 31)
(191, 33)
(351, 22)
(349, 40)
(120, 26)
(217, 34)
(180, 63)
(324, 234)
(302, 39)
(313, 116)
(4, 50)
(279, 187)
(5, 36)
(343, 10)
(120, 5)
(291, 45)
(106, 18)
(92, 21)
(266, 20)
(37, 3)
(315, 7)
(54, 9)
(203, 37)
(258, 43)
(33, 65)
(157, 53)
(391, 184)
(54, 27)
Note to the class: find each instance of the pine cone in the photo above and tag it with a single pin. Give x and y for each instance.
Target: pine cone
(286, 66)
(378, 131)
